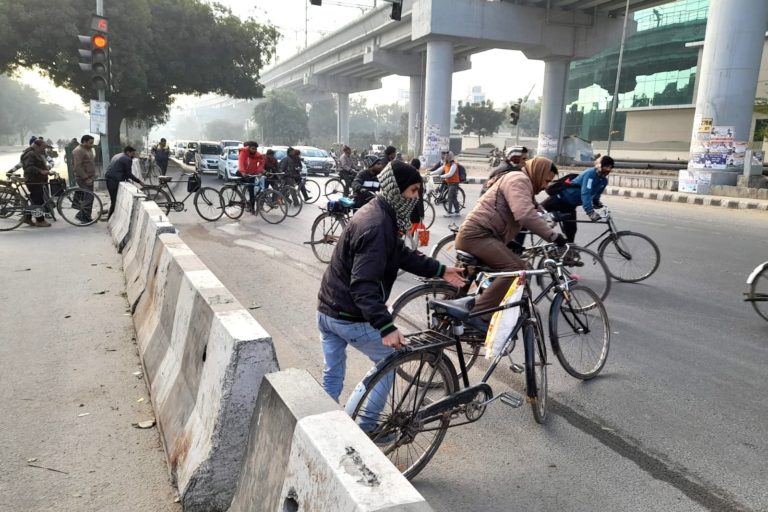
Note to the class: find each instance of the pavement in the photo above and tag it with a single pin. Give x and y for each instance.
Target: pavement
(72, 392)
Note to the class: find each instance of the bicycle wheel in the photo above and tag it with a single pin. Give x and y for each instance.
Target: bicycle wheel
(630, 256)
(460, 197)
(334, 189)
(72, 205)
(393, 395)
(759, 293)
(313, 191)
(536, 368)
(586, 267)
(579, 332)
(326, 233)
(12, 208)
(272, 205)
(293, 202)
(429, 214)
(444, 250)
(159, 196)
(208, 204)
(233, 202)
(411, 313)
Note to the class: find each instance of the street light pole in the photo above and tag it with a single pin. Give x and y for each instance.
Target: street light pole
(102, 96)
(614, 103)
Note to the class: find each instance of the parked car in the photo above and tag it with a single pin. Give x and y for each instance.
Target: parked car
(189, 154)
(179, 148)
(228, 162)
(318, 161)
(207, 157)
(228, 143)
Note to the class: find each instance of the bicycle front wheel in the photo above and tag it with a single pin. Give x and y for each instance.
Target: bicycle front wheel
(326, 233)
(392, 397)
(79, 207)
(233, 202)
(536, 369)
(460, 197)
(208, 204)
(759, 293)
(334, 189)
(293, 202)
(159, 196)
(579, 332)
(272, 205)
(584, 266)
(630, 256)
(429, 214)
(312, 189)
(445, 250)
(12, 209)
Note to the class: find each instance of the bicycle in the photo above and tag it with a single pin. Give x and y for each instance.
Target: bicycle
(435, 191)
(758, 289)
(309, 187)
(411, 313)
(416, 391)
(328, 226)
(269, 203)
(341, 186)
(207, 200)
(591, 269)
(630, 256)
(148, 169)
(71, 203)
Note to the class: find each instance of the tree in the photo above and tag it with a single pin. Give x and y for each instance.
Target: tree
(322, 122)
(222, 129)
(479, 118)
(282, 119)
(22, 112)
(158, 48)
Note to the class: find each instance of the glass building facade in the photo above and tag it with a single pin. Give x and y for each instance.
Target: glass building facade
(657, 70)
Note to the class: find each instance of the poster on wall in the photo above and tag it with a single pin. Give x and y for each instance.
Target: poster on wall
(686, 181)
(547, 145)
(705, 125)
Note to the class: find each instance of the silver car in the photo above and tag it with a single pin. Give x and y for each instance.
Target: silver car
(207, 157)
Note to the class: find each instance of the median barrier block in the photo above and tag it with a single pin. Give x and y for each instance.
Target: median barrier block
(304, 453)
(204, 358)
(128, 196)
(137, 255)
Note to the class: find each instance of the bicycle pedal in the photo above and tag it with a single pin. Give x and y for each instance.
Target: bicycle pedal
(517, 368)
(512, 400)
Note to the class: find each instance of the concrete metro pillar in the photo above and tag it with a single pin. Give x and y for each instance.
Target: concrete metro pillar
(437, 100)
(342, 124)
(727, 83)
(552, 107)
(414, 115)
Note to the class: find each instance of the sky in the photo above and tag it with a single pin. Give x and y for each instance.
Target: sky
(503, 75)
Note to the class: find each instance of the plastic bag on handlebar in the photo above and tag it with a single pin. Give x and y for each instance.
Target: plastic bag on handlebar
(503, 321)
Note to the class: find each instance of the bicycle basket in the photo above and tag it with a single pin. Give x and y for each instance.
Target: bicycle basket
(193, 183)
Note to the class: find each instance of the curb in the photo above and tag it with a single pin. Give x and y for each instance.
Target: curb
(734, 203)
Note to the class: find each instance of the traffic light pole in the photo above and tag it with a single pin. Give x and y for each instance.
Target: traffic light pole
(102, 96)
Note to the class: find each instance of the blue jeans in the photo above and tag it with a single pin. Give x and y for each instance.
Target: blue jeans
(335, 335)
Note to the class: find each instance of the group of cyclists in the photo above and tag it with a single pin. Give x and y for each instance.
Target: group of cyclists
(264, 170)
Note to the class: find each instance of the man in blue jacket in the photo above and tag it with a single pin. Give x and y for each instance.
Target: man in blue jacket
(585, 190)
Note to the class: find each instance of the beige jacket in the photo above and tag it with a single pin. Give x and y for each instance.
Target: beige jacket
(509, 205)
(82, 161)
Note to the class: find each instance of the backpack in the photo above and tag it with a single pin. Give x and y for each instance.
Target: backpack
(561, 184)
(462, 173)
(193, 183)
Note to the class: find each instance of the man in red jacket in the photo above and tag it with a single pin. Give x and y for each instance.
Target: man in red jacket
(250, 166)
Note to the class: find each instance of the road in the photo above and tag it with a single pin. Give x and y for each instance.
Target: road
(676, 421)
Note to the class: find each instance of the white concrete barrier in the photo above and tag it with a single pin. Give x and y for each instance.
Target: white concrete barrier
(121, 222)
(306, 454)
(149, 223)
(204, 357)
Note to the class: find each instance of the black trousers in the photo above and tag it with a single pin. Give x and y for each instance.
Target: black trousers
(163, 165)
(86, 201)
(567, 213)
(112, 187)
(37, 195)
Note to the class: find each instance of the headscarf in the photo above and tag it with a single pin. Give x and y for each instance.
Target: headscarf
(389, 192)
(538, 169)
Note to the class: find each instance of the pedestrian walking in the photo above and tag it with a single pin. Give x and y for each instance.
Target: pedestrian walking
(162, 154)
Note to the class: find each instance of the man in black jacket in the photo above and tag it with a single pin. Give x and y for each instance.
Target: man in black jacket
(120, 169)
(366, 183)
(36, 175)
(353, 293)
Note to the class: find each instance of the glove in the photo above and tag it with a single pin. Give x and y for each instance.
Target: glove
(560, 240)
(597, 204)
(594, 216)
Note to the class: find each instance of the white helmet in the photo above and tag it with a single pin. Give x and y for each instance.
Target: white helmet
(516, 151)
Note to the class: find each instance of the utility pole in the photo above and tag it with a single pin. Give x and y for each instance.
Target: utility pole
(102, 96)
(614, 103)
(525, 100)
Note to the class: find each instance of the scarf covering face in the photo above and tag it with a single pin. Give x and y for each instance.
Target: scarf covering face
(538, 169)
(389, 192)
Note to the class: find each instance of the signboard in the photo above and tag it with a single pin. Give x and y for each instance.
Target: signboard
(705, 126)
(98, 117)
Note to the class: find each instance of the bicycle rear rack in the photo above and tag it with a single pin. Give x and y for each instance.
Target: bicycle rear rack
(429, 339)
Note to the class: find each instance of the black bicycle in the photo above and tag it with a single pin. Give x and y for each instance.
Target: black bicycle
(336, 188)
(436, 191)
(410, 399)
(758, 289)
(270, 204)
(207, 200)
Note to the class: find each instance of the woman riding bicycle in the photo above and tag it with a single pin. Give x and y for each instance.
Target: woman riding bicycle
(498, 216)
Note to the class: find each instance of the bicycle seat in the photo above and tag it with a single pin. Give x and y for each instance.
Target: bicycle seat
(164, 179)
(467, 258)
(456, 308)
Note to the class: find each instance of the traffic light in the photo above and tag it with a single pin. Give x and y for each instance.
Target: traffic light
(316, 2)
(95, 56)
(514, 112)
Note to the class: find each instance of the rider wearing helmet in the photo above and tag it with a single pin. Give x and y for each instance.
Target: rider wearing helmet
(513, 161)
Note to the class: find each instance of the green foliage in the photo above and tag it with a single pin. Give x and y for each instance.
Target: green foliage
(282, 119)
(22, 112)
(222, 129)
(530, 112)
(380, 124)
(478, 118)
(158, 48)
(761, 105)
(322, 122)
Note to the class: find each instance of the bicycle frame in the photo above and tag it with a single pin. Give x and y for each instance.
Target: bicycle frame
(165, 185)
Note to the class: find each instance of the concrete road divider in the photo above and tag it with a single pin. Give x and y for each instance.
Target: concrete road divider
(204, 358)
(149, 223)
(304, 453)
(128, 196)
